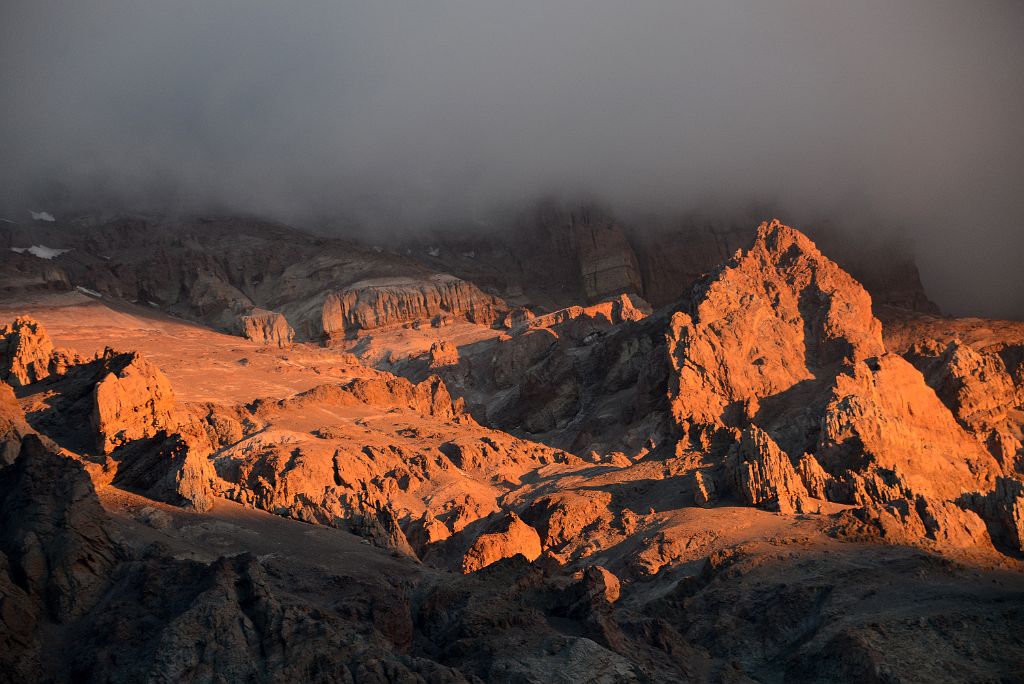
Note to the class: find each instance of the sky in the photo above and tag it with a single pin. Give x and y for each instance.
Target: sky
(891, 118)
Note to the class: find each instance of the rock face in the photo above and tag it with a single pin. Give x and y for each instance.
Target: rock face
(510, 537)
(781, 368)
(881, 413)
(267, 327)
(12, 425)
(27, 355)
(911, 520)
(56, 554)
(168, 468)
(979, 389)
(556, 255)
(134, 400)
(772, 318)
(1003, 510)
(764, 476)
(607, 263)
(675, 256)
(388, 302)
(54, 537)
(23, 271)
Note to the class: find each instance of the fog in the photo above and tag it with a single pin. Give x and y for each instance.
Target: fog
(887, 117)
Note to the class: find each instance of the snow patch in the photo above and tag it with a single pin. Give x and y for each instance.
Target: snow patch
(434, 251)
(42, 216)
(85, 290)
(41, 251)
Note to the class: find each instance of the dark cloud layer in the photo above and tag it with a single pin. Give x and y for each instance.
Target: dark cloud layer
(889, 116)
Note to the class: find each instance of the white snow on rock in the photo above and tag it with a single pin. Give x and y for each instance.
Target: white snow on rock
(434, 251)
(42, 216)
(41, 251)
(85, 290)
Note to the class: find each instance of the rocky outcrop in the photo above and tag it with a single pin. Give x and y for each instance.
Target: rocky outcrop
(381, 528)
(915, 519)
(388, 302)
(763, 475)
(54, 539)
(507, 538)
(773, 317)
(74, 601)
(1003, 510)
(27, 354)
(881, 414)
(577, 322)
(267, 327)
(56, 554)
(565, 516)
(980, 391)
(429, 397)
(499, 455)
(12, 425)
(133, 400)
(442, 355)
(168, 468)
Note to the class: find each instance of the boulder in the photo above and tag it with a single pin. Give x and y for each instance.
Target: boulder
(509, 537)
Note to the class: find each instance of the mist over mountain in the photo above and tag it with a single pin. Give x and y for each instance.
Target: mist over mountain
(883, 118)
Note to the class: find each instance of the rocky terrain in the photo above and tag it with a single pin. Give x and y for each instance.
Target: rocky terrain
(233, 451)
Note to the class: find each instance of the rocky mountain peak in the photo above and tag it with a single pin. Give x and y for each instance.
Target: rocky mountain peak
(774, 316)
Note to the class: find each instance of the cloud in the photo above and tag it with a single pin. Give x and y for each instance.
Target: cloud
(893, 117)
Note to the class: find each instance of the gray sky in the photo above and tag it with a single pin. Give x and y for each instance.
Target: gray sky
(890, 116)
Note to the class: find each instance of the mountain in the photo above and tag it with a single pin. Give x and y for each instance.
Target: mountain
(236, 451)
